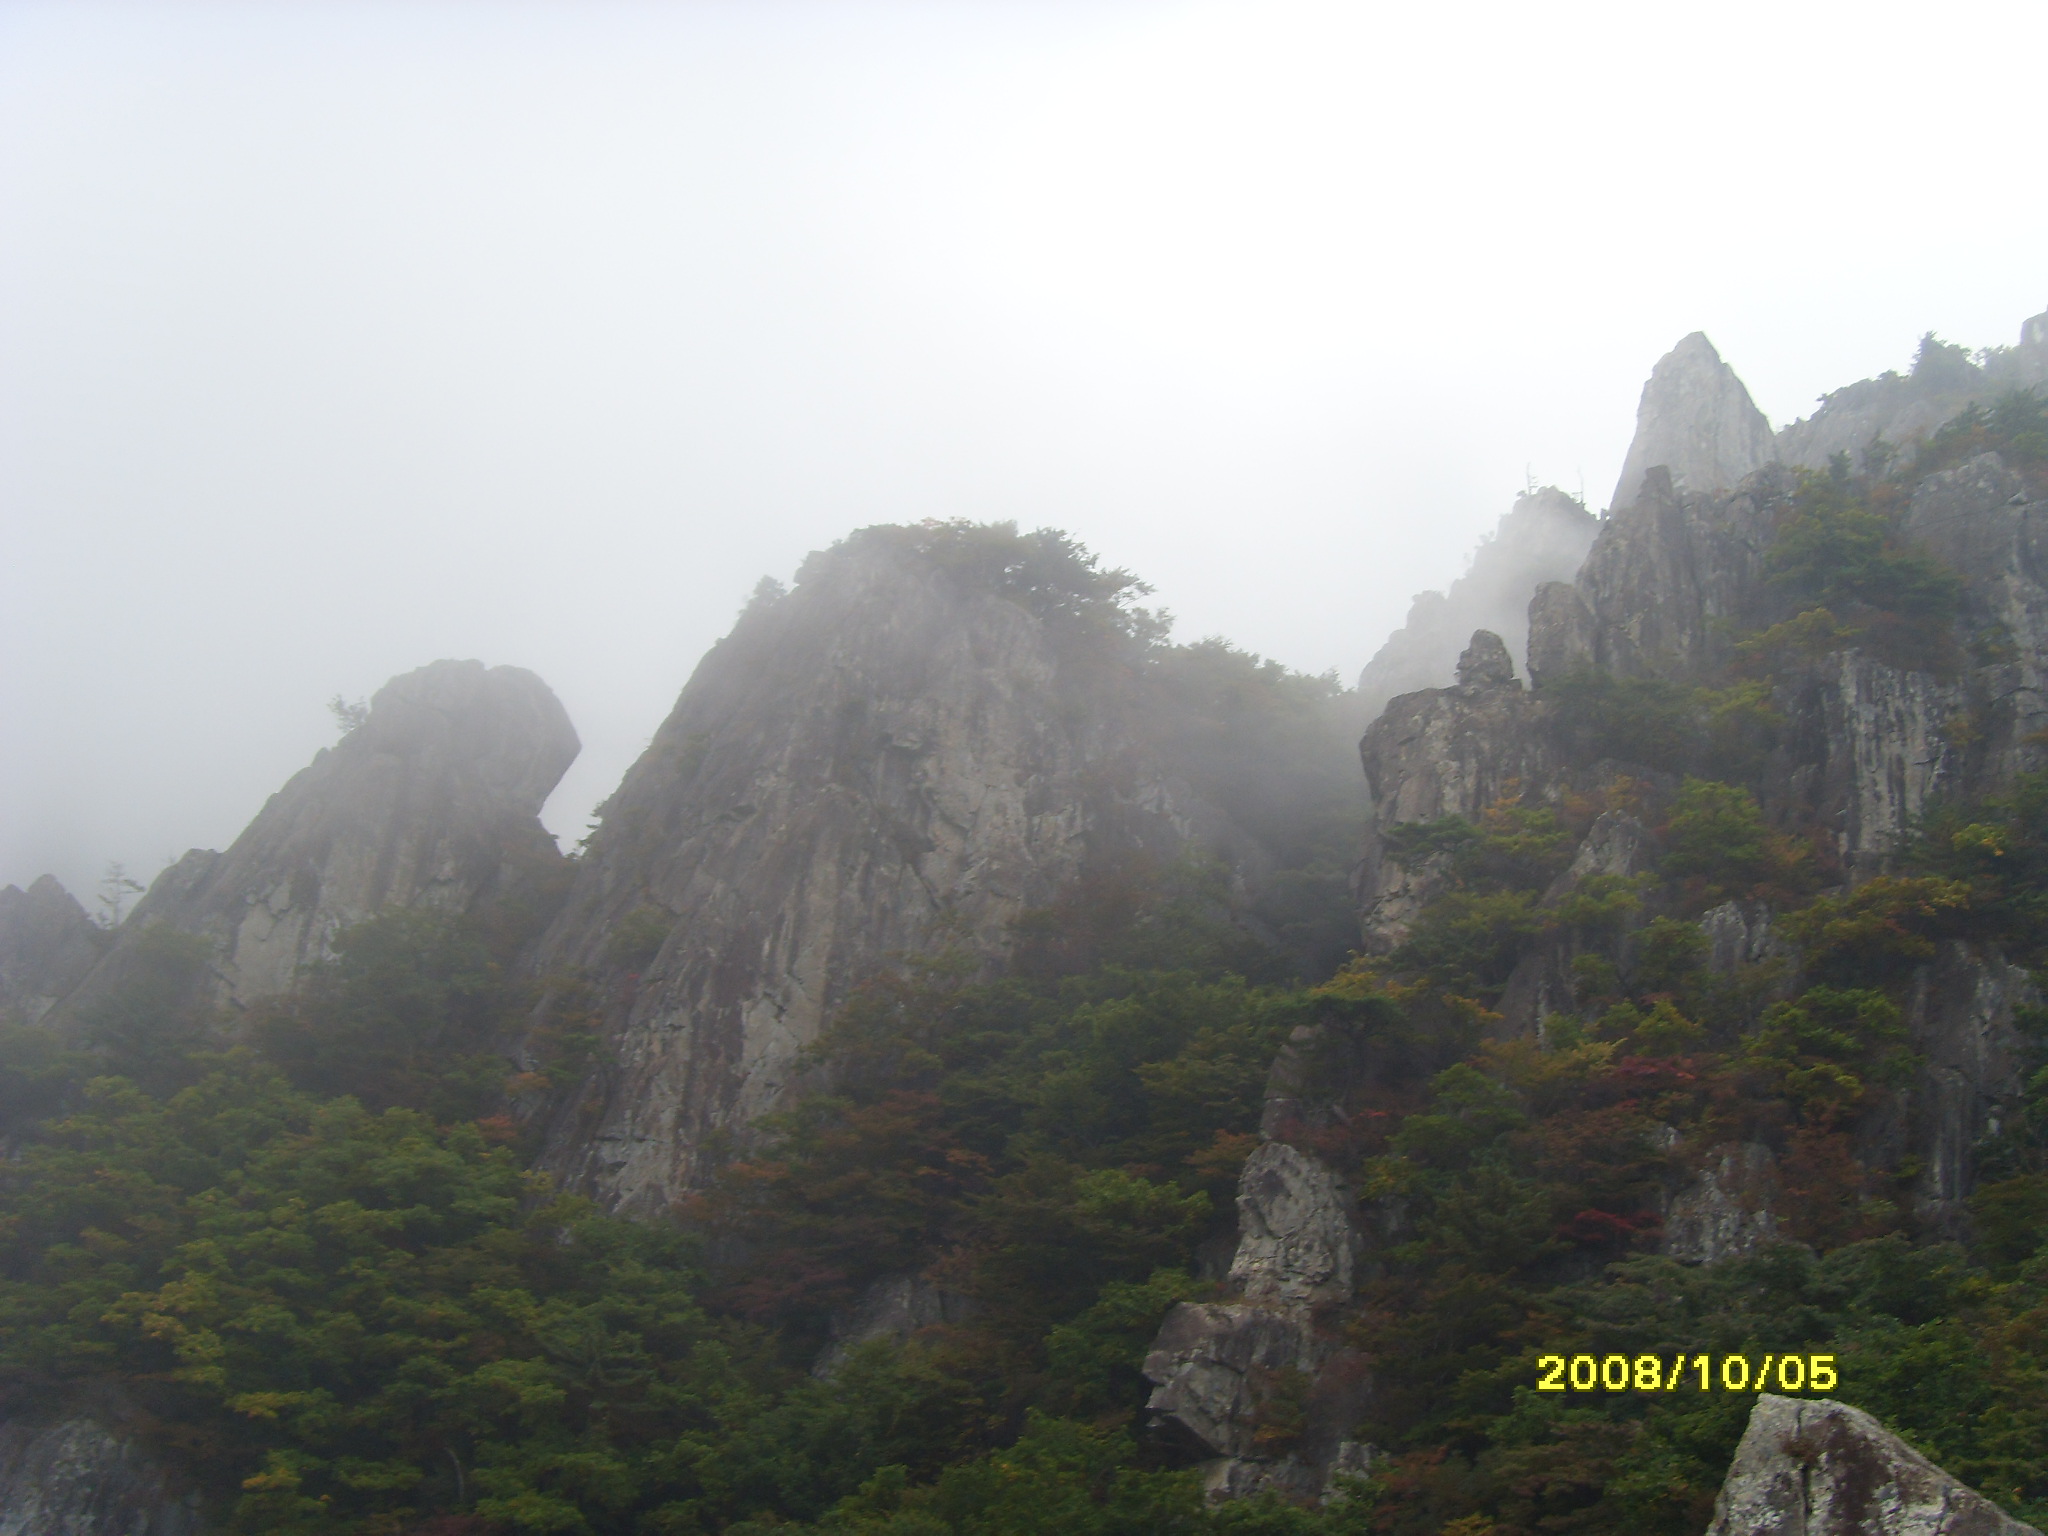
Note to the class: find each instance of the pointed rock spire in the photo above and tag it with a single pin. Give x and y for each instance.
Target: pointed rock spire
(1697, 419)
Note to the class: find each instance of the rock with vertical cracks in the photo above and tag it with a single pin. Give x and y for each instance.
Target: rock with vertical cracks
(1822, 1468)
(1297, 1238)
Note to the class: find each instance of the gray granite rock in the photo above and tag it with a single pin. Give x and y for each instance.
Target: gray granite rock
(74, 1477)
(1213, 1362)
(47, 947)
(1696, 421)
(433, 801)
(1879, 421)
(1485, 663)
(1297, 1239)
(1820, 1468)
(1960, 1016)
(896, 754)
(1725, 1212)
(1543, 539)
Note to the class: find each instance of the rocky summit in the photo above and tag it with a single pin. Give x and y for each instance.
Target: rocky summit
(433, 800)
(1696, 422)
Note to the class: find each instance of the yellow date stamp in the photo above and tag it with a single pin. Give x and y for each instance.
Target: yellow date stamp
(1697, 1373)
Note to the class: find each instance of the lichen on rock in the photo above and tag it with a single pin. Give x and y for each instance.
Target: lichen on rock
(1822, 1468)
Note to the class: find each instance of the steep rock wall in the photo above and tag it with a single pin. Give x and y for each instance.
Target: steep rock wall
(1666, 579)
(895, 754)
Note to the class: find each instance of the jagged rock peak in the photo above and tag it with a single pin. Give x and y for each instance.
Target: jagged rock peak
(1485, 663)
(47, 945)
(1543, 538)
(1696, 419)
(433, 800)
(1814, 1467)
(932, 731)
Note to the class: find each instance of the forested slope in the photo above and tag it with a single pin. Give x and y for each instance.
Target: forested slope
(1690, 1022)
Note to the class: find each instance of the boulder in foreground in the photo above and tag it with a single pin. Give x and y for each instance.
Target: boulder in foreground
(1811, 1467)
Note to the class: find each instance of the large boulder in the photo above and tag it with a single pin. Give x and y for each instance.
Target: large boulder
(1821, 1468)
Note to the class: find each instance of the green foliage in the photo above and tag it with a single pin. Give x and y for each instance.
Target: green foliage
(1045, 1141)
(1673, 727)
(148, 1019)
(1647, 720)
(1879, 930)
(2015, 426)
(1044, 571)
(404, 1014)
(1717, 841)
(1468, 939)
(1822, 1052)
(1997, 850)
(1839, 549)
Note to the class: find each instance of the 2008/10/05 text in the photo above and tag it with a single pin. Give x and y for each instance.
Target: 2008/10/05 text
(1702, 1373)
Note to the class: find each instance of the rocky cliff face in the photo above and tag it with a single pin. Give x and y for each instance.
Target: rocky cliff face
(434, 800)
(1544, 538)
(1822, 1468)
(909, 749)
(1863, 746)
(75, 1477)
(1896, 411)
(1696, 421)
(47, 946)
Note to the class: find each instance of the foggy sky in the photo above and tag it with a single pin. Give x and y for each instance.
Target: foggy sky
(336, 338)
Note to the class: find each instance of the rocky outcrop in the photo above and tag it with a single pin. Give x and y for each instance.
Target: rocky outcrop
(1875, 421)
(1544, 538)
(1445, 752)
(905, 750)
(1740, 934)
(1984, 521)
(1696, 421)
(1666, 581)
(74, 1477)
(432, 801)
(1822, 1468)
(1262, 1387)
(1961, 1019)
(895, 1307)
(1726, 1211)
(1297, 1235)
(47, 946)
(1217, 1364)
